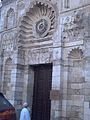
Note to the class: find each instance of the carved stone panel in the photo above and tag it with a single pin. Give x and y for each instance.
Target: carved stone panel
(73, 27)
(75, 83)
(38, 56)
(9, 41)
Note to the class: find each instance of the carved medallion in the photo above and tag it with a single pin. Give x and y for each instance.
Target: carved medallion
(41, 27)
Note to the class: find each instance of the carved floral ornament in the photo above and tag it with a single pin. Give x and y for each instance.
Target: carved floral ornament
(20, 5)
(43, 55)
(38, 22)
(73, 26)
(73, 21)
(8, 41)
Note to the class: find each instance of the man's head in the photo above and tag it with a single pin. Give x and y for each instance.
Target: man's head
(25, 104)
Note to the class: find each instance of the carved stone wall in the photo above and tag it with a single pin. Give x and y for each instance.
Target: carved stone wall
(7, 78)
(9, 41)
(40, 56)
(73, 27)
(75, 85)
(38, 24)
(34, 32)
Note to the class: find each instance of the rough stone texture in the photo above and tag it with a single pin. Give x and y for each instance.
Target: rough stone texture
(47, 31)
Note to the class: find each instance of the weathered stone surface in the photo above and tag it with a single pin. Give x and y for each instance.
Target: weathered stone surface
(35, 32)
(55, 95)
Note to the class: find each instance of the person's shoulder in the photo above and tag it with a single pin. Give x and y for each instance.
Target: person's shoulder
(25, 109)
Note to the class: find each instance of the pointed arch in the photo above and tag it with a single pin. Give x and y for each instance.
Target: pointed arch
(10, 18)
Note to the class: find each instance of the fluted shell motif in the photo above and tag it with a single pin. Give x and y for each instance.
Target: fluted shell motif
(39, 21)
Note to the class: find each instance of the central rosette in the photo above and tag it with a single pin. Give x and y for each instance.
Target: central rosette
(41, 27)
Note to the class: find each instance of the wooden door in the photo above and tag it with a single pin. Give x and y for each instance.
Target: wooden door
(41, 96)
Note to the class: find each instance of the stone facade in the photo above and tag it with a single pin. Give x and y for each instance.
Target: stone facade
(34, 32)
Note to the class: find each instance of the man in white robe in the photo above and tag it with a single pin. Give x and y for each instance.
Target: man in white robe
(25, 113)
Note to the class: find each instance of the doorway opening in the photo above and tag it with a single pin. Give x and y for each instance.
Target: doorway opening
(41, 92)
